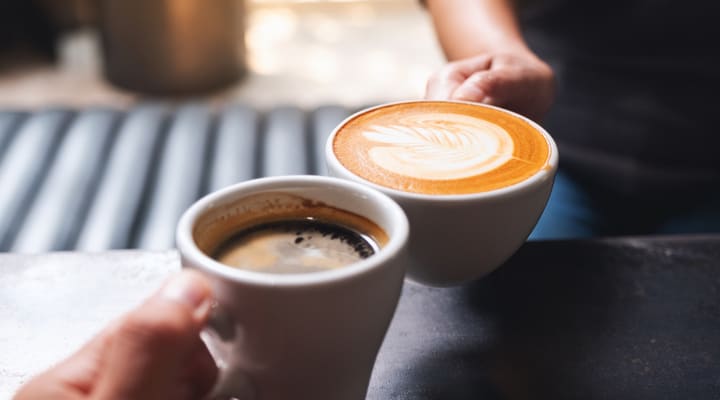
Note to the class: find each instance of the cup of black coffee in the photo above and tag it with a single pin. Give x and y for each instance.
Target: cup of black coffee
(306, 273)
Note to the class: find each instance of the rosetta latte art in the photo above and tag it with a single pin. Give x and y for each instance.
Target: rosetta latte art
(442, 147)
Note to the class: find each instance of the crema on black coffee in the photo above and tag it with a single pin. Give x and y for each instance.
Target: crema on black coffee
(292, 246)
(282, 233)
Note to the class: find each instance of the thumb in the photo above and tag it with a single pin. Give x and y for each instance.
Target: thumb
(153, 343)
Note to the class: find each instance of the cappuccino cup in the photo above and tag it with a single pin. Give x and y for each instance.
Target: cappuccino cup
(306, 273)
(473, 179)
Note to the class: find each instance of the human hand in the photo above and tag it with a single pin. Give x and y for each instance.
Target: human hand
(153, 352)
(518, 81)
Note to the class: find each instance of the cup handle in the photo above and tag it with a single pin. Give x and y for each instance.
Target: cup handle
(219, 336)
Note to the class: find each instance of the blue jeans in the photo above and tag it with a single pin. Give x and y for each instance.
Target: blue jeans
(574, 212)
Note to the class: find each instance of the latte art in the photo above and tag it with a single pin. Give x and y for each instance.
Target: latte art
(440, 147)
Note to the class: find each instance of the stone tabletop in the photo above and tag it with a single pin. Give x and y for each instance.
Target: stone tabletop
(634, 318)
(52, 303)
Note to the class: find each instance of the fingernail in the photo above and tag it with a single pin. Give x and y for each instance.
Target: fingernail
(189, 288)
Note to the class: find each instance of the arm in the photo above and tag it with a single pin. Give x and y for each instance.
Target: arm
(467, 28)
(489, 59)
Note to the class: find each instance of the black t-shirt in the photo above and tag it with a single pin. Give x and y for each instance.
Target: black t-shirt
(638, 90)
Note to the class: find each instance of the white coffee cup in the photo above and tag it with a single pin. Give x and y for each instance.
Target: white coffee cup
(304, 335)
(459, 238)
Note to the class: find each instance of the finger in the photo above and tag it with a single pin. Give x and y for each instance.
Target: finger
(197, 376)
(154, 342)
(469, 66)
(73, 377)
(442, 84)
(440, 88)
(80, 371)
(201, 370)
(47, 386)
(475, 88)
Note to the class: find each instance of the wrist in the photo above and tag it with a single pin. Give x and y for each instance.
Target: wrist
(466, 28)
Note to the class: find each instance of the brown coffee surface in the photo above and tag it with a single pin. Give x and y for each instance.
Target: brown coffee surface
(441, 148)
(294, 246)
(278, 232)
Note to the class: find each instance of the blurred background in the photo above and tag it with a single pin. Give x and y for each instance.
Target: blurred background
(301, 52)
(116, 115)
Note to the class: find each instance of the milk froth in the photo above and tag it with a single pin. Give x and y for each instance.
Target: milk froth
(440, 147)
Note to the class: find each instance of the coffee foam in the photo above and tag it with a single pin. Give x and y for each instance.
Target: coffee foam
(221, 222)
(294, 246)
(440, 147)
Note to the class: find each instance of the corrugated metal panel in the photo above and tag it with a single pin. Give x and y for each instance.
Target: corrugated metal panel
(285, 144)
(24, 166)
(178, 179)
(104, 179)
(53, 221)
(118, 201)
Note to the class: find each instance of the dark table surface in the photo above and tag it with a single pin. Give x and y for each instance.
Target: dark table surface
(625, 318)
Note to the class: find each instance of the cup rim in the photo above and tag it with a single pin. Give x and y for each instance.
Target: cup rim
(189, 250)
(537, 179)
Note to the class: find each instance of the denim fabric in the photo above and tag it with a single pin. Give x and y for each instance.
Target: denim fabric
(576, 211)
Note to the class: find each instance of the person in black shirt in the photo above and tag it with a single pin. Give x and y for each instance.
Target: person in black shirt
(627, 88)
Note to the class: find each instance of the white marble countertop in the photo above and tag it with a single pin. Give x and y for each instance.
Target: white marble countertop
(50, 304)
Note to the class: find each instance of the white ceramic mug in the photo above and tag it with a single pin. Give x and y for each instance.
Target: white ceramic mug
(459, 238)
(299, 336)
